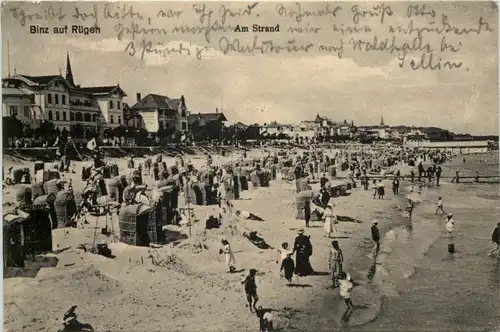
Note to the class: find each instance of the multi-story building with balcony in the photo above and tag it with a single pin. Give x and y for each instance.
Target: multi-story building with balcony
(67, 105)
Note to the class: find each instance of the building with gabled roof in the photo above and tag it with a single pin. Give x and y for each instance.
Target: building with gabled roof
(207, 125)
(59, 100)
(161, 112)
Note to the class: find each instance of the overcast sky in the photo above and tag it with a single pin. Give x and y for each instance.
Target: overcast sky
(362, 86)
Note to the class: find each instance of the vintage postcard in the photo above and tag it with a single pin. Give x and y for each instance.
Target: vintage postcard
(250, 166)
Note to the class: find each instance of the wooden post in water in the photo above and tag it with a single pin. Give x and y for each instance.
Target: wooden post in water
(451, 246)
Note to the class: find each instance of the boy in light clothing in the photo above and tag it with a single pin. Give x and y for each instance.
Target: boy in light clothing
(440, 206)
(346, 287)
(450, 225)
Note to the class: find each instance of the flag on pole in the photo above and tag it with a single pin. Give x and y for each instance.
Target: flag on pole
(92, 144)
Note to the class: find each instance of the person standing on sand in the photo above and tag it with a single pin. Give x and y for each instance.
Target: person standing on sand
(380, 189)
(374, 189)
(450, 225)
(346, 287)
(375, 238)
(229, 255)
(395, 186)
(438, 174)
(304, 250)
(307, 212)
(440, 206)
(412, 174)
(495, 238)
(457, 177)
(335, 261)
(251, 289)
(287, 268)
(328, 216)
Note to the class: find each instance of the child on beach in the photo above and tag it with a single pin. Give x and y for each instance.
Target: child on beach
(345, 289)
(265, 319)
(376, 239)
(228, 253)
(287, 268)
(450, 225)
(440, 206)
(329, 218)
(282, 253)
(251, 289)
(409, 209)
(335, 261)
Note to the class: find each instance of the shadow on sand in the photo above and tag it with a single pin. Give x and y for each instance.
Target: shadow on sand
(299, 285)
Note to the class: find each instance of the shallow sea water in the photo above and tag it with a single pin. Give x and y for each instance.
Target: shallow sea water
(427, 289)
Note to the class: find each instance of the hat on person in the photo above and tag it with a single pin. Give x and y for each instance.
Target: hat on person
(300, 231)
(450, 215)
(375, 222)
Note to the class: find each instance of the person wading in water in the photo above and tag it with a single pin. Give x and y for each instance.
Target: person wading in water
(376, 239)
(440, 206)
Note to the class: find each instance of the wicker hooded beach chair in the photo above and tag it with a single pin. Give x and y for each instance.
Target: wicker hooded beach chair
(137, 224)
(65, 208)
(13, 241)
(24, 195)
(47, 202)
(302, 198)
(52, 186)
(37, 190)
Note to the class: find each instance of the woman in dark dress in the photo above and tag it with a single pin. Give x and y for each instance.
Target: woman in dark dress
(303, 249)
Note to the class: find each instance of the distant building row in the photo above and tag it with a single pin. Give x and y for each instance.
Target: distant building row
(33, 99)
(322, 126)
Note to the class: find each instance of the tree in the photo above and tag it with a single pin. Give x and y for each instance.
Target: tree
(107, 133)
(164, 134)
(119, 131)
(76, 131)
(46, 130)
(27, 131)
(13, 127)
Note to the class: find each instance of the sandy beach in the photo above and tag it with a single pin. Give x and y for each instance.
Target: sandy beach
(192, 287)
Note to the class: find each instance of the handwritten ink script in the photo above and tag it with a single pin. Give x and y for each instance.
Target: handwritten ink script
(411, 36)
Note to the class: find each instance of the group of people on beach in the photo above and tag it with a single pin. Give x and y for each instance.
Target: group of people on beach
(296, 260)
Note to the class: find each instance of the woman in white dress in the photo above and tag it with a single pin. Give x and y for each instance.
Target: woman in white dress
(228, 254)
(328, 217)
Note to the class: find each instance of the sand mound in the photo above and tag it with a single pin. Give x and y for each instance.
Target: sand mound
(170, 262)
(31, 268)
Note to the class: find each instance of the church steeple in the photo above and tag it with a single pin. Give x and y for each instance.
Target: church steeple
(382, 120)
(69, 73)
